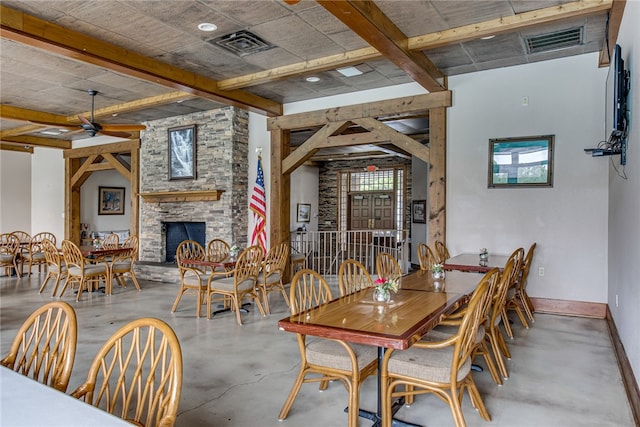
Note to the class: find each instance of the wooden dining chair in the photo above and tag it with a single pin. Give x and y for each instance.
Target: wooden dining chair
(217, 250)
(426, 257)
(111, 241)
(439, 367)
(518, 259)
(137, 374)
(34, 256)
(331, 359)
(352, 277)
(387, 266)
(517, 296)
(44, 347)
(81, 271)
(192, 278)
(9, 254)
(56, 268)
(270, 277)
(442, 253)
(234, 286)
(121, 264)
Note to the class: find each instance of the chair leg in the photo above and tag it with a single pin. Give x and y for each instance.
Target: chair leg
(265, 298)
(476, 399)
(493, 340)
(292, 395)
(484, 350)
(44, 284)
(526, 303)
(505, 322)
(175, 303)
(55, 286)
(134, 279)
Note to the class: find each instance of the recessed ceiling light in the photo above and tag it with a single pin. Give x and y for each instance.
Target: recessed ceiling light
(179, 101)
(488, 37)
(206, 26)
(349, 71)
(312, 79)
(114, 115)
(50, 132)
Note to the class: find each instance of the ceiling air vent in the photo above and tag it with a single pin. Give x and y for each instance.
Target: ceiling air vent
(553, 41)
(242, 43)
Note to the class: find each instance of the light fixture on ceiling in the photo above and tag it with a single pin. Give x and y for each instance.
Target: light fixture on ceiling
(349, 71)
(51, 132)
(313, 79)
(208, 27)
(488, 37)
(179, 101)
(114, 115)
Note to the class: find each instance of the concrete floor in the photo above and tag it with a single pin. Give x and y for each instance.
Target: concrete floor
(563, 369)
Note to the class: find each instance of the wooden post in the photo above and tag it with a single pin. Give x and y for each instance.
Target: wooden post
(437, 174)
(280, 197)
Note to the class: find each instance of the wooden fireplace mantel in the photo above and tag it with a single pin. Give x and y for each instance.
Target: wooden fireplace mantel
(182, 196)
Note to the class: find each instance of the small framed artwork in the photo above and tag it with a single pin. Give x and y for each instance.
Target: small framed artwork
(111, 201)
(521, 162)
(182, 152)
(304, 212)
(419, 211)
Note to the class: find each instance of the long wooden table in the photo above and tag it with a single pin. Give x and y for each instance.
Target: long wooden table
(472, 262)
(26, 402)
(412, 312)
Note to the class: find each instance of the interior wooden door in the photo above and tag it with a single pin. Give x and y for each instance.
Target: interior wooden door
(372, 211)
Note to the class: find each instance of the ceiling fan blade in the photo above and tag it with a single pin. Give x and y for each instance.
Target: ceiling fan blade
(123, 127)
(85, 120)
(54, 125)
(116, 134)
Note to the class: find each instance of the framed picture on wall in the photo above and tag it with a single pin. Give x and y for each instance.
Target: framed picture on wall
(521, 162)
(111, 201)
(304, 212)
(182, 152)
(419, 211)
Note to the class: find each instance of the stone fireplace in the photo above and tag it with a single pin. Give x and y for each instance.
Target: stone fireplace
(216, 198)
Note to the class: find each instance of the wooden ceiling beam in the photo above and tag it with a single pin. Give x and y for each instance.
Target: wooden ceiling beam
(26, 115)
(386, 108)
(19, 148)
(36, 32)
(113, 148)
(396, 138)
(37, 141)
(311, 145)
(367, 20)
(615, 18)
(431, 40)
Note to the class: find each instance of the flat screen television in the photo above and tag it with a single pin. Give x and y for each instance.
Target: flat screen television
(616, 98)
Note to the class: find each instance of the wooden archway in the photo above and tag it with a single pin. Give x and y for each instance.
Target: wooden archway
(80, 163)
(333, 122)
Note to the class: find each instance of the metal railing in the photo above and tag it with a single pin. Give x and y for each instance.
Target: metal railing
(324, 251)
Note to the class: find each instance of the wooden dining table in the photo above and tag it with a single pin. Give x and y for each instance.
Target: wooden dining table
(228, 263)
(472, 262)
(412, 312)
(89, 251)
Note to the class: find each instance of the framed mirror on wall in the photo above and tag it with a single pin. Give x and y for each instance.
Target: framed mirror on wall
(521, 162)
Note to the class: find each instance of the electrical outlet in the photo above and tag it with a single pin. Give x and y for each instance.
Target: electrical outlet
(541, 271)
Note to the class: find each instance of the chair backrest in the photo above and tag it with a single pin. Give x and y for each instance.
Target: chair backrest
(526, 265)
(22, 236)
(352, 277)
(248, 264)
(51, 254)
(466, 335)
(492, 277)
(111, 241)
(387, 266)
(137, 374)
(518, 260)
(500, 294)
(35, 244)
(9, 244)
(45, 346)
(131, 242)
(276, 259)
(426, 257)
(189, 249)
(442, 253)
(217, 250)
(72, 254)
(308, 290)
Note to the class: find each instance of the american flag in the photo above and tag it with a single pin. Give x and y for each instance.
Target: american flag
(258, 206)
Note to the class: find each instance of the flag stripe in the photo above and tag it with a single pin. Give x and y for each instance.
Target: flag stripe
(258, 206)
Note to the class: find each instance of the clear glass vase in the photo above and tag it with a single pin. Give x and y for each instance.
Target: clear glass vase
(437, 275)
(381, 295)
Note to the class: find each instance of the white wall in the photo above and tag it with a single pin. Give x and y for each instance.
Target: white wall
(304, 189)
(47, 193)
(624, 206)
(89, 194)
(568, 221)
(15, 188)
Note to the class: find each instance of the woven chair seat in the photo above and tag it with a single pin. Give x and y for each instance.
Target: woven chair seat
(441, 333)
(333, 355)
(272, 278)
(432, 365)
(56, 269)
(38, 256)
(89, 270)
(227, 284)
(6, 257)
(190, 279)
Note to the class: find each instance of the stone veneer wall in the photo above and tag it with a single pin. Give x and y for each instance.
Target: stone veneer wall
(328, 188)
(221, 164)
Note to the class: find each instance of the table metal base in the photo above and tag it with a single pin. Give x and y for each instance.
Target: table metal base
(221, 309)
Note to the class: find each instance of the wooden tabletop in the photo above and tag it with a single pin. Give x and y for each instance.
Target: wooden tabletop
(471, 262)
(412, 312)
(92, 251)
